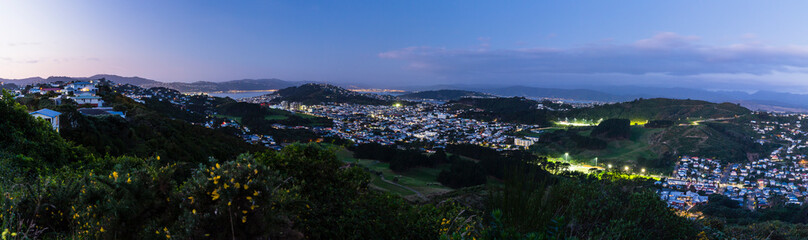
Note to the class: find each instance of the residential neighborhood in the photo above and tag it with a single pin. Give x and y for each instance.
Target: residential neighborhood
(755, 183)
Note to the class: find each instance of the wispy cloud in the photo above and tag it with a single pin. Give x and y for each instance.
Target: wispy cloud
(15, 44)
(668, 54)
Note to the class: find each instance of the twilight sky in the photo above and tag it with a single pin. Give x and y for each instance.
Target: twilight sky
(732, 45)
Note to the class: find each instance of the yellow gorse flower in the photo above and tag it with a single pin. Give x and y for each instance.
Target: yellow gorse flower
(215, 194)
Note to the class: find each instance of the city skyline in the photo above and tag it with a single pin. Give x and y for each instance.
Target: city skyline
(718, 45)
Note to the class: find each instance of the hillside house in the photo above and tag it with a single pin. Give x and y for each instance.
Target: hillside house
(49, 115)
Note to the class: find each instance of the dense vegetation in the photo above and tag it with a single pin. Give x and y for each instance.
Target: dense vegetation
(660, 109)
(613, 129)
(311, 94)
(301, 191)
(147, 132)
(724, 141)
(90, 188)
(515, 109)
(491, 160)
(400, 159)
(463, 173)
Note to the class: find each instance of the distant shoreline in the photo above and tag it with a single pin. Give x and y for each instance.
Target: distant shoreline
(236, 94)
(234, 91)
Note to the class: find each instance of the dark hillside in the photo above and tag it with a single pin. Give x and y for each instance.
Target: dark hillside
(660, 109)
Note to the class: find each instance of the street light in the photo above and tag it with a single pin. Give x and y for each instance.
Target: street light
(643, 170)
(626, 168)
(596, 161)
(566, 157)
(610, 165)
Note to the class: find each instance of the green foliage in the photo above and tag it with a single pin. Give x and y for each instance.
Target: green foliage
(400, 160)
(515, 109)
(146, 133)
(659, 109)
(31, 140)
(254, 115)
(311, 94)
(341, 205)
(659, 124)
(729, 211)
(493, 161)
(774, 230)
(608, 205)
(463, 173)
(242, 199)
(723, 141)
(613, 128)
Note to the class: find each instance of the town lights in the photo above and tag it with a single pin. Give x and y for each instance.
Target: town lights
(643, 170)
(610, 166)
(625, 168)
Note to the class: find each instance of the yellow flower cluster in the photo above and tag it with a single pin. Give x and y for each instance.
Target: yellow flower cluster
(215, 194)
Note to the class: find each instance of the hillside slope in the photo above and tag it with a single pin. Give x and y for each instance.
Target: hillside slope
(660, 109)
(444, 95)
(311, 94)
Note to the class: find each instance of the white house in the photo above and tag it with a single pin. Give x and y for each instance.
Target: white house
(526, 143)
(79, 87)
(88, 99)
(49, 115)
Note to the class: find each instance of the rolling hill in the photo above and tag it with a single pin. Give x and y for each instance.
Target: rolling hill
(444, 95)
(238, 85)
(315, 93)
(201, 86)
(660, 109)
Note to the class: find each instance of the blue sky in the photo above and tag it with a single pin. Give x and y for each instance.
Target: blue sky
(736, 45)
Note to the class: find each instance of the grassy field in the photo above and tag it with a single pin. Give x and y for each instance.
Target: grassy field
(276, 117)
(237, 119)
(620, 152)
(421, 179)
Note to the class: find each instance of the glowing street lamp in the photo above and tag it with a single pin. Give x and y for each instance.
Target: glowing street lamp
(643, 170)
(625, 168)
(566, 157)
(610, 165)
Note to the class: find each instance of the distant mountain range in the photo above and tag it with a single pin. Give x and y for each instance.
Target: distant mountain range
(201, 86)
(761, 100)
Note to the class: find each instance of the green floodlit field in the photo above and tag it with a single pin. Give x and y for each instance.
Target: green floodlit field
(619, 152)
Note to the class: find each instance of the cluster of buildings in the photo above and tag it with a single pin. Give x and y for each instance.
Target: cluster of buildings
(82, 93)
(779, 178)
(197, 103)
(422, 122)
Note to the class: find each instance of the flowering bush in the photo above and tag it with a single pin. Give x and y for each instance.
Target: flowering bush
(236, 199)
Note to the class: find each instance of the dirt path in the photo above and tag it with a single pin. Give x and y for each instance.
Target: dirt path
(417, 193)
